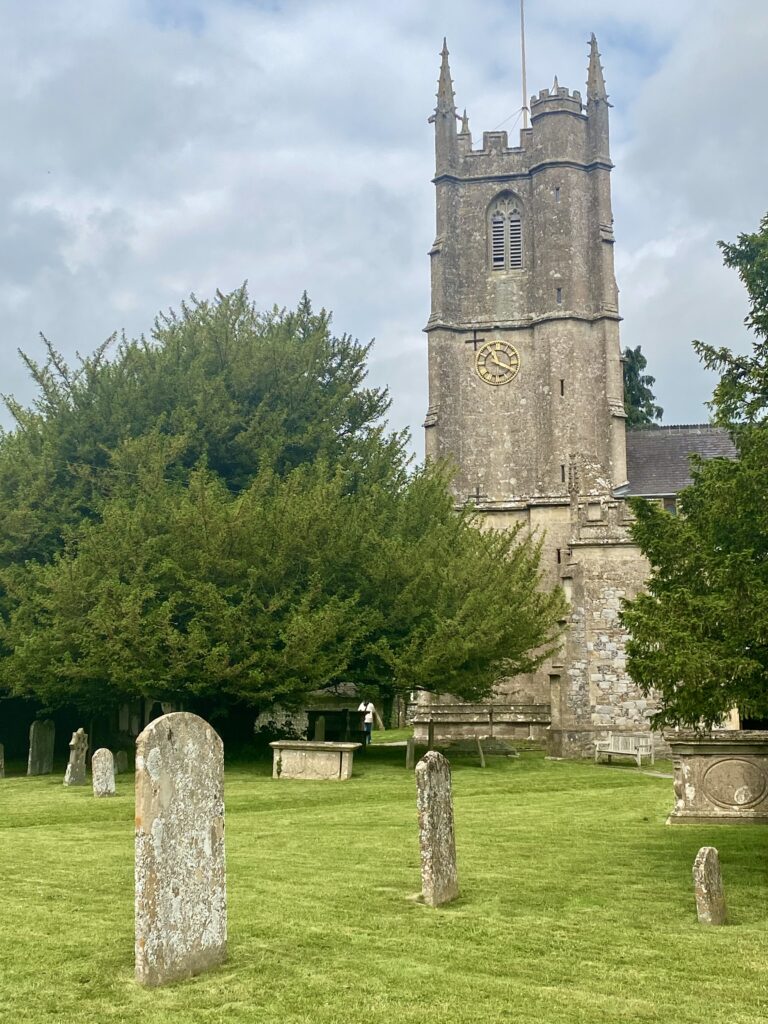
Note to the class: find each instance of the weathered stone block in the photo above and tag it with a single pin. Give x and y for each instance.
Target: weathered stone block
(181, 896)
(720, 777)
(434, 801)
(708, 887)
(312, 759)
(121, 762)
(41, 737)
(75, 774)
(103, 773)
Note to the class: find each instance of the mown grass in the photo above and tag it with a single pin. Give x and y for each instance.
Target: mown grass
(576, 904)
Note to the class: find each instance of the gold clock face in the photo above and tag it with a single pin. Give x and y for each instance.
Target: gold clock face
(497, 362)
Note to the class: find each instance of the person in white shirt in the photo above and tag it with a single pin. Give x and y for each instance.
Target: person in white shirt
(369, 709)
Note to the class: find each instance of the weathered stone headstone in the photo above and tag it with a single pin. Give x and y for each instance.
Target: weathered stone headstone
(121, 762)
(320, 729)
(75, 774)
(103, 772)
(41, 737)
(708, 887)
(181, 895)
(439, 880)
(410, 753)
(2, 761)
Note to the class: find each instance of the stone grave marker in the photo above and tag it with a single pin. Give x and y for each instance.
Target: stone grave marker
(75, 774)
(708, 887)
(103, 772)
(434, 801)
(2, 761)
(41, 737)
(410, 753)
(181, 895)
(121, 762)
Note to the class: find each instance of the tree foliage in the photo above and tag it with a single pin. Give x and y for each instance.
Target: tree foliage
(639, 400)
(226, 518)
(700, 634)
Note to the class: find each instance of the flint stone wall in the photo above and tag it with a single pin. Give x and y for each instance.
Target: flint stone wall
(41, 737)
(720, 777)
(103, 773)
(434, 802)
(181, 897)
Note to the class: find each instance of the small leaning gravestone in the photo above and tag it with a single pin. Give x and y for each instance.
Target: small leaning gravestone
(103, 772)
(434, 801)
(181, 893)
(708, 887)
(78, 748)
(121, 762)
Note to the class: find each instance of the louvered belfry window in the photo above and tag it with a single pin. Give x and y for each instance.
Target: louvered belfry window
(506, 235)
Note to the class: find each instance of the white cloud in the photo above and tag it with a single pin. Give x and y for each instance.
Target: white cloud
(157, 148)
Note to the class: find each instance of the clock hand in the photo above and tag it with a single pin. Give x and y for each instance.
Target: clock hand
(495, 359)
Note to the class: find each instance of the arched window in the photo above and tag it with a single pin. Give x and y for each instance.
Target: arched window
(506, 231)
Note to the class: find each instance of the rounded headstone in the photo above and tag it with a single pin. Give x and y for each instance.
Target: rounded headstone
(181, 895)
(103, 772)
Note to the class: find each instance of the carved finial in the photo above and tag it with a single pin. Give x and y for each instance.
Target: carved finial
(445, 104)
(464, 123)
(595, 80)
(555, 86)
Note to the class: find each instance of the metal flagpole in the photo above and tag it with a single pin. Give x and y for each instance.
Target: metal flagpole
(522, 46)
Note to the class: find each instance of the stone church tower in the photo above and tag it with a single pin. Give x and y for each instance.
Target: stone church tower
(525, 379)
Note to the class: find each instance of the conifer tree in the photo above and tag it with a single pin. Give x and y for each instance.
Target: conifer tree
(699, 636)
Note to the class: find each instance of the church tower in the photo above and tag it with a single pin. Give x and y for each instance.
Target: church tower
(526, 393)
(525, 381)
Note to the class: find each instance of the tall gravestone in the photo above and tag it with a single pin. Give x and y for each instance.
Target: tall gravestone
(434, 801)
(121, 762)
(75, 774)
(2, 761)
(103, 772)
(708, 887)
(41, 737)
(181, 895)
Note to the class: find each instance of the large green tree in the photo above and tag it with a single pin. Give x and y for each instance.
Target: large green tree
(252, 539)
(639, 399)
(699, 636)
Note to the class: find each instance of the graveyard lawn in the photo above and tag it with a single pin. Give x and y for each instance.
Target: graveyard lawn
(576, 904)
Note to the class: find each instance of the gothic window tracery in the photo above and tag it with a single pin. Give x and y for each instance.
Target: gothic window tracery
(506, 234)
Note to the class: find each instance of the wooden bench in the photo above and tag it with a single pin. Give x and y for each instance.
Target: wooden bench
(626, 744)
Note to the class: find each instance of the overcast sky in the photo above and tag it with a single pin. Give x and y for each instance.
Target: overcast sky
(154, 148)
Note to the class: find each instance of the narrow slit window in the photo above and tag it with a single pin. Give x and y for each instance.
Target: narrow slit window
(562, 473)
(559, 296)
(559, 555)
(562, 387)
(557, 194)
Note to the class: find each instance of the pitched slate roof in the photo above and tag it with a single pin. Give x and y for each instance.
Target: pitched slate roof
(657, 457)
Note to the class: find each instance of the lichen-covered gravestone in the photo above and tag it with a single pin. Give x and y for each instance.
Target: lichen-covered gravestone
(103, 772)
(41, 737)
(439, 880)
(121, 762)
(708, 887)
(75, 774)
(2, 761)
(181, 894)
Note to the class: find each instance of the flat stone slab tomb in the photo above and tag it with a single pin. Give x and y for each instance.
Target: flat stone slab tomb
(312, 759)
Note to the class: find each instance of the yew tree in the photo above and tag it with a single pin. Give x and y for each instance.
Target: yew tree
(227, 518)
